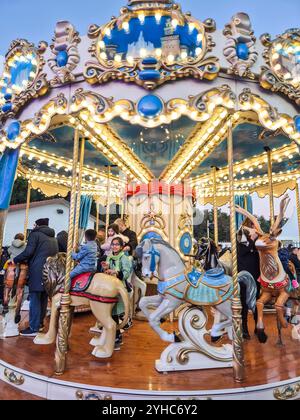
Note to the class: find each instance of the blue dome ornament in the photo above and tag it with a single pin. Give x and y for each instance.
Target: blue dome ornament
(186, 243)
(297, 123)
(242, 51)
(62, 58)
(13, 130)
(150, 106)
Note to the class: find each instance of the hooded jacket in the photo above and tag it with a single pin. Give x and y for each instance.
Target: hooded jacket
(16, 248)
(41, 245)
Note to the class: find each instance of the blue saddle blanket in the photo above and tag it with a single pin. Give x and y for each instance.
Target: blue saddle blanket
(210, 288)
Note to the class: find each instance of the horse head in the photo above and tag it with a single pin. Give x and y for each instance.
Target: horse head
(149, 257)
(54, 274)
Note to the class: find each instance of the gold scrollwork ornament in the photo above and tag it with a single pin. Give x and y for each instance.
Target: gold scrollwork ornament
(15, 95)
(282, 73)
(110, 64)
(287, 393)
(13, 378)
(80, 396)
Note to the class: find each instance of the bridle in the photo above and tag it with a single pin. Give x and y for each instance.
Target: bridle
(153, 253)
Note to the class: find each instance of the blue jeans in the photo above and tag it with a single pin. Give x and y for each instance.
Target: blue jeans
(80, 270)
(37, 309)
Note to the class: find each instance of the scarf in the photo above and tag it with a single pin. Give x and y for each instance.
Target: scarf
(114, 261)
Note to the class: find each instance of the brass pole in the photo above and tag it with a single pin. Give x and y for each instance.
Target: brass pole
(271, 189)
(27, 208)
(97, 216)
(216, 228)
(65, 316)
(298, 206)
(238, 351)
(108, 200)
(78, 193)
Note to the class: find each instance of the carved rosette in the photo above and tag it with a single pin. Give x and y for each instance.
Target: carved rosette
(239, 48)
(23, 78)
(282, 73)
(65, 54)
(151, 68)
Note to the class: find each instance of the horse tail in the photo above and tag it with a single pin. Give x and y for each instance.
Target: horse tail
(248, 281)
(124, 295)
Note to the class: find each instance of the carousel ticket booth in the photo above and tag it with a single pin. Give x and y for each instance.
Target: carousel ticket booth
(155, 112)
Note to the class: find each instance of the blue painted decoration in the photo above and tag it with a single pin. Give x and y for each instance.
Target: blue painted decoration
(7, 107)
(186, 243)
(297, 123)
(151, 235)
(150, 35)
(242, 51)
(13, 130)
(149, 75)
(150, 106)
(62, 58)
(8, 168)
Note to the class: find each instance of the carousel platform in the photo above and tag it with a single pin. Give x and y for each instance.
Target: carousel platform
(272, 372)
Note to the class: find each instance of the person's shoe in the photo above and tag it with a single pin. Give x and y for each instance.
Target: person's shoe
(28, 333)
(41, 329)
(128, 325)
(117, 346)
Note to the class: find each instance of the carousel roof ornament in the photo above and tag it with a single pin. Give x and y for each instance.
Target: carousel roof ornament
(282, 56)
(141, 4)
(65, 55)
(23, 78)
(151, 43)
(240, 49)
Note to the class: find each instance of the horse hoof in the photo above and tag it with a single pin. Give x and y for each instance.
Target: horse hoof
(215, 339)
(177, 338)
(17, 319)
(262, 337)
(246, 336)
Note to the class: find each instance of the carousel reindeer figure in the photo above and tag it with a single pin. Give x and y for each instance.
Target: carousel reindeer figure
(14, 283)
(273, 279)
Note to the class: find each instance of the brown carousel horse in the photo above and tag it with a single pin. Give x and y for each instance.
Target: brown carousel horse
(15, 280)
(274, 280)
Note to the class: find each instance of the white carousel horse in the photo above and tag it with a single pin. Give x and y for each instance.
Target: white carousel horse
(100, 293)
(175, 287)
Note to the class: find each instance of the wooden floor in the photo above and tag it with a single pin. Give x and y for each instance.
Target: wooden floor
(133, 366)
(8, 393)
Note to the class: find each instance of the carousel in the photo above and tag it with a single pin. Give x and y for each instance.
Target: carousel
(150, 116)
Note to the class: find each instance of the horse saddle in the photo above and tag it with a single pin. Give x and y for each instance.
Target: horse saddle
(210, 288)
(82, 282)
(80, 285)
(215, 278)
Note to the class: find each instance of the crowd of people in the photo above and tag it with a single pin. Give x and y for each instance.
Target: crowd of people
(109, 253)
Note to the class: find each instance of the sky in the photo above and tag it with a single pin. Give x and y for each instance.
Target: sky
(35, 19)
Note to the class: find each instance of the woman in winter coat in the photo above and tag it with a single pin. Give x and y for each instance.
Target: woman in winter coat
(18, 245)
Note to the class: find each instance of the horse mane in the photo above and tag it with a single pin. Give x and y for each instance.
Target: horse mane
(167, 245)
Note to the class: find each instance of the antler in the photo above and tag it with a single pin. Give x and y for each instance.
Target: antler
(250, 217)
(283, 206)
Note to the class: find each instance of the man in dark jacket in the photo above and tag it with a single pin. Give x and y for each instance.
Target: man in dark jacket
(41, 245)
(133, 242)
(248, 260)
